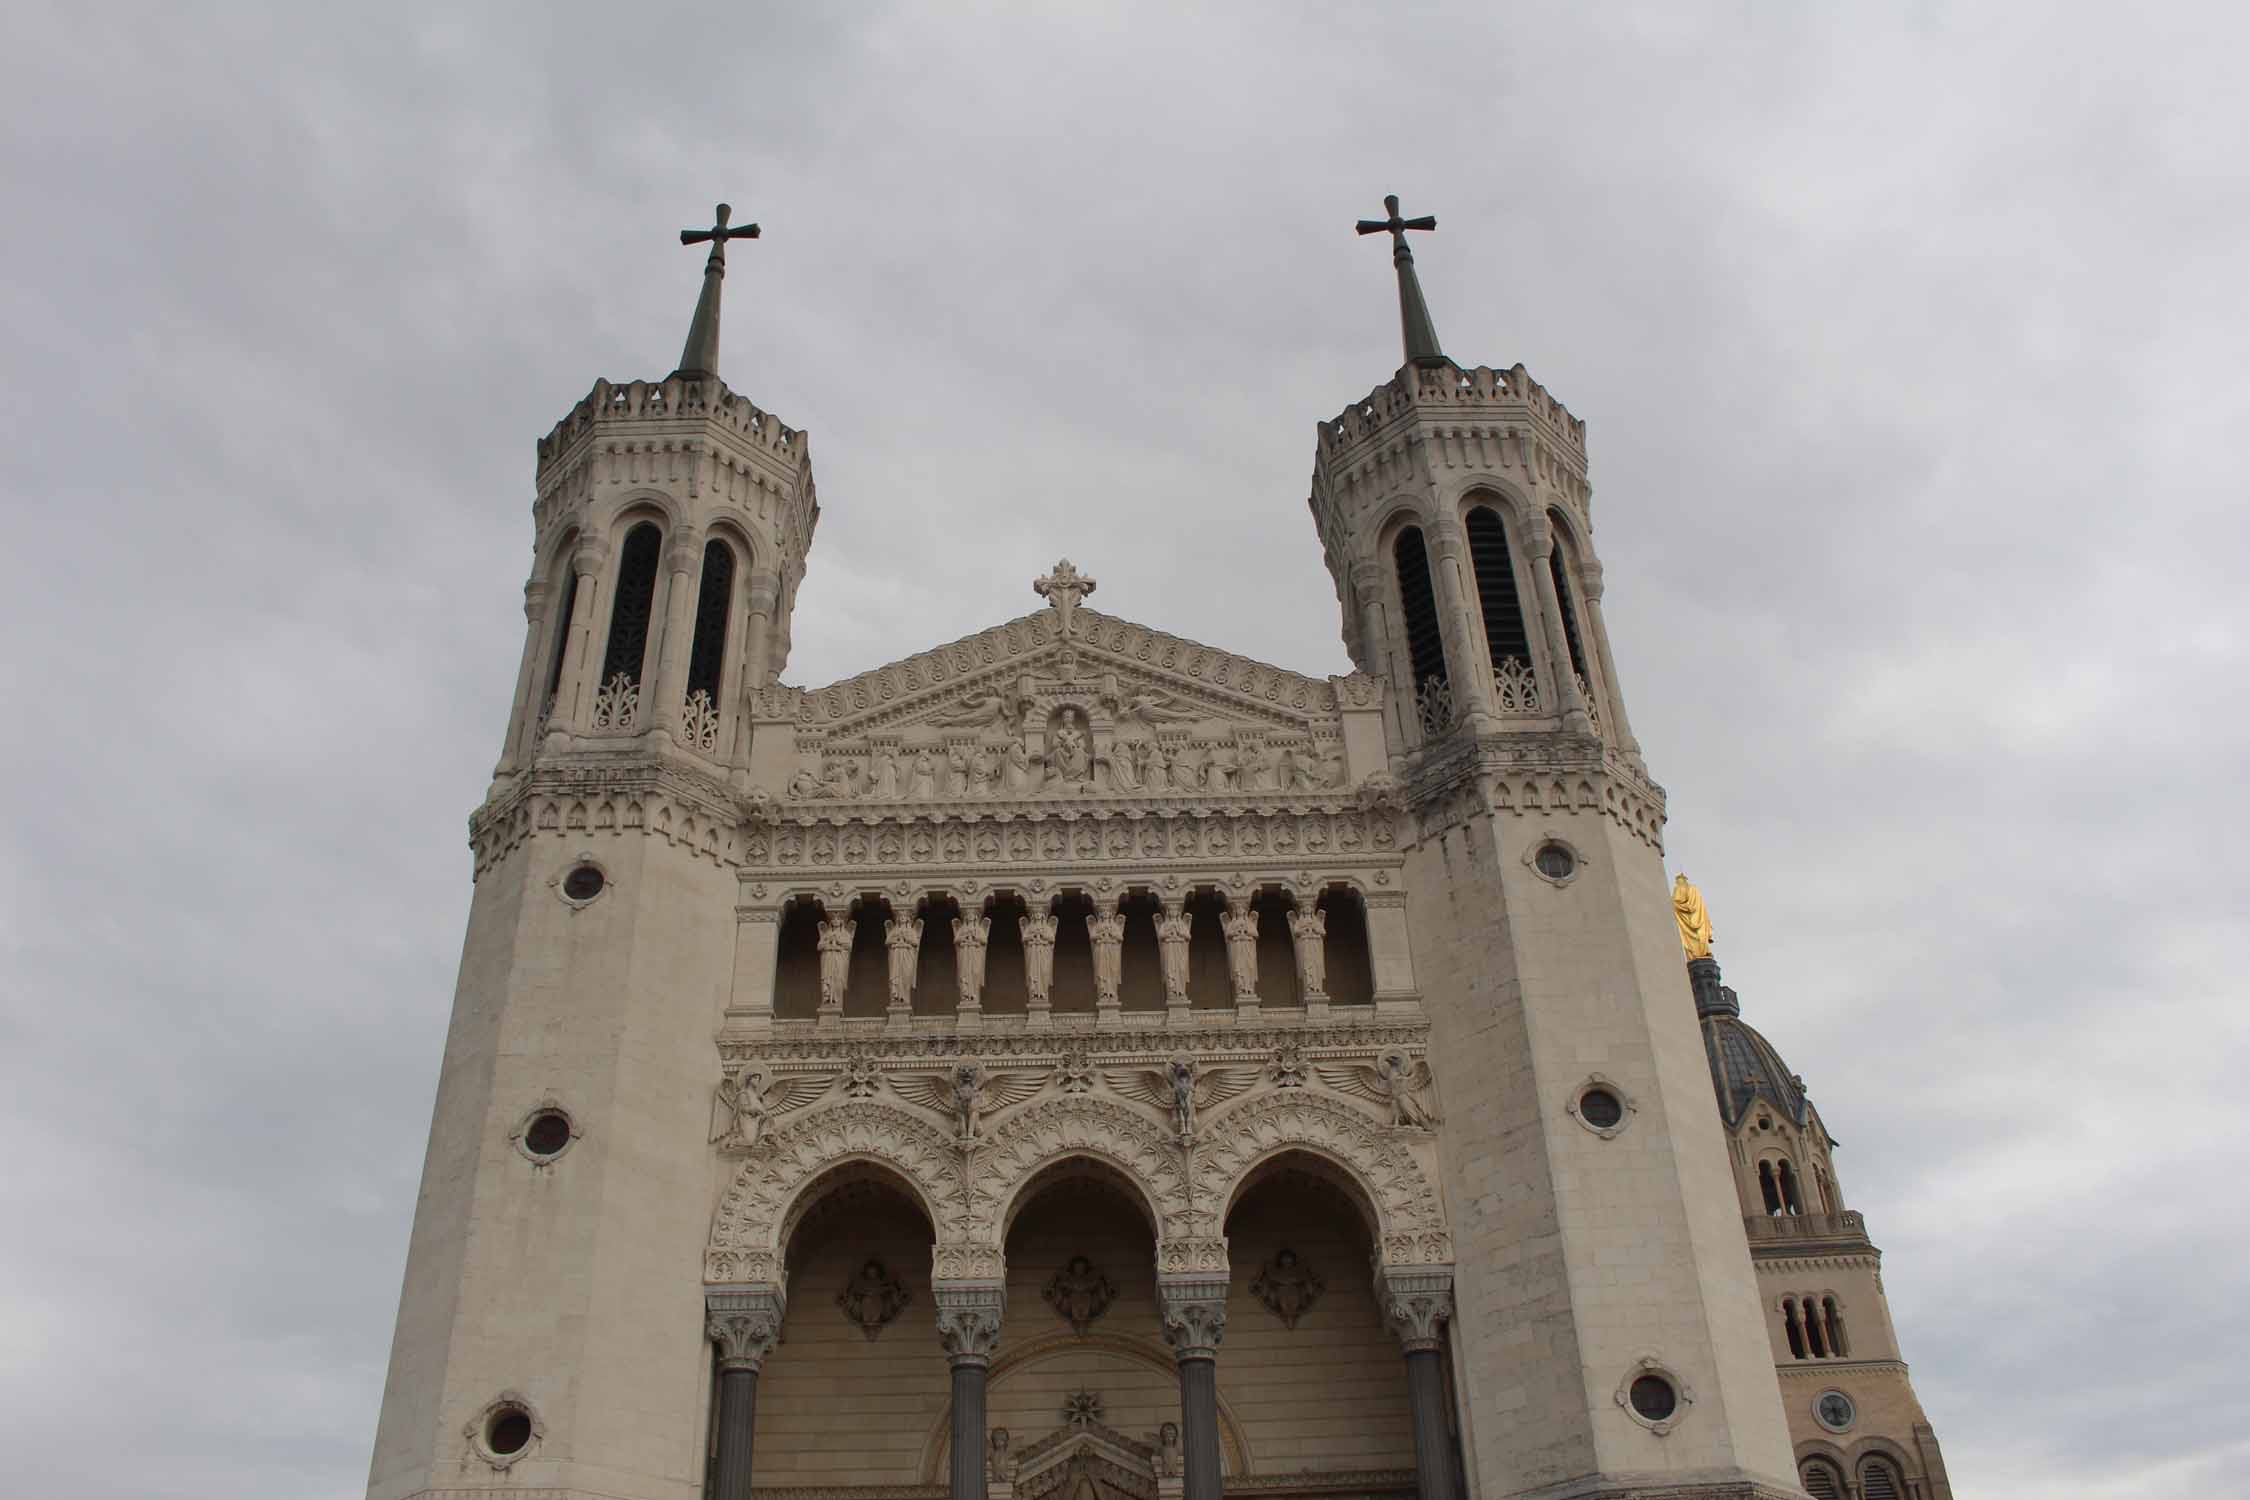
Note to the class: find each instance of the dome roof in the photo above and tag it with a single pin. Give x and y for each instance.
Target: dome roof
(1745, 1069)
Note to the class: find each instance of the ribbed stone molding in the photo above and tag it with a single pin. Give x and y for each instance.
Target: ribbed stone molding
(1195, 1315)
(1418, 1303)
(968, 1320)
(745, 1322)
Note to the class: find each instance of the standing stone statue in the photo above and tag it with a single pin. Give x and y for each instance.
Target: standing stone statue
(1241, 925)
(1107, 930)
(1016, 768)
(905, 942)
(969, 937)
(922, 785)
(1174, 927)
(1308, 932)
(981, 768)
(835, 944)
(1038, 957)
(882, 777)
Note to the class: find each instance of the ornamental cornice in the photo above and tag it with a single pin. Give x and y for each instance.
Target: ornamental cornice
(639, 794)
(1467, 776)
(1796, 1261)
(1826, 1371)
(1345, 1041)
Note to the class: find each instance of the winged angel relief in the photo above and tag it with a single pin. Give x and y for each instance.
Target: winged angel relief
(1399, 1085)
(969, 1094)
(1182, 1089)
(745, 1106)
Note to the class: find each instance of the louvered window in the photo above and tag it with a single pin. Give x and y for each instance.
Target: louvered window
(1792, 1327)
(562, 634)
(1878, 1480)
(1496, 589)
(636, 595)
(1569, 610)
(1821, 1480)
(1425, 643)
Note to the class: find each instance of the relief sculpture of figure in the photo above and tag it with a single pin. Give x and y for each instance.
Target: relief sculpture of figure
(981, 768)
(836, 778)
(1694, 918)
(1240, 924)
(1292, 769)
(804, 784)
(882, 777)
(1124, 762)
(1174, 928)
(1308, 933)
(1107, 930)
(1398, 1084)
(1017, 769)
(1158, 775)
(904, 939)
(745, 1107)
(969, 939)
(1255, 772)
(1181, 1090)
(1038, 957)
(922, 785)
(835, 944)
(956, 772)
(1068, 757)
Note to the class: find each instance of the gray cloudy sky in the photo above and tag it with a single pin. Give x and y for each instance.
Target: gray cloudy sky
(1910, 339)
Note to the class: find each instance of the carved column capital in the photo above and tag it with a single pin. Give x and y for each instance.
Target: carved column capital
(968, 1320)
(589, 555)
(764, 591)
(1418, 1302)
(1538, 537)
(745, 1322)
(1589, 580)
(1195, 1316)
(686, 554)
(535, 598)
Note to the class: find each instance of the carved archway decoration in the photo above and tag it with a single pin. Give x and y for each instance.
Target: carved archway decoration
(1410, 1225)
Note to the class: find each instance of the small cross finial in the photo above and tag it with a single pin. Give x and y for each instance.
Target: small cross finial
(699, 360)
(1063, 588)
(1413, 312)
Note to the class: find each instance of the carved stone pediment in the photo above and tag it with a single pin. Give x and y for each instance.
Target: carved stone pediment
(1118, 1465)
(1022, 711)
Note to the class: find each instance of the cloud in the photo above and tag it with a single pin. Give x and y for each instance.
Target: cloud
(1909, 349)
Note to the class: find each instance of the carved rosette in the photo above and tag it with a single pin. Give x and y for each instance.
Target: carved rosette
(1418, 1304)
(1195, 1315)
(968, 1320)
(745, 1322)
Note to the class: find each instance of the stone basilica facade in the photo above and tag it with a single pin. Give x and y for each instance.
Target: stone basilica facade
(1078, 1063)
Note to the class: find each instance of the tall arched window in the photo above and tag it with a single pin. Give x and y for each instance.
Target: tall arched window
(1822, 1482)
(1833, 1317)
(561, 647)
(1516, 689)
(1786, 1180)
(1792, 1328)
(1768, 1189)
(1816, 1338)
(1878, 1480)
(707, 659)
(1568, 606)
(636, 595)
(1425, 642)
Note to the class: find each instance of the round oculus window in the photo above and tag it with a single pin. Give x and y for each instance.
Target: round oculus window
(546, 1133)
(1555, 862)
(1834, 1410)
(1653, 1398)
(1600, 1108)
(584, 883)
(508, 1431)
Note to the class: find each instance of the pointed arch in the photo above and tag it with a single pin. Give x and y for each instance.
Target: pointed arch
(1506, 638)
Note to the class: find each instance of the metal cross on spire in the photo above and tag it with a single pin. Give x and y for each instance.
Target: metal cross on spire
(1414, 314)
(699, 360)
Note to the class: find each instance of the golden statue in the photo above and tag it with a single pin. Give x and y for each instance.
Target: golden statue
(1694, 918)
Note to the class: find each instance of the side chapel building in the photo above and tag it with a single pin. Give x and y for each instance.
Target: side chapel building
(1078, 1063)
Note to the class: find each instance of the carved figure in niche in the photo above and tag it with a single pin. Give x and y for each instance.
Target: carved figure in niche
(803, 785)
(1166, 1441)
(1308, 934)
(1395, 1081)
(998, 1462)
(1220, 770)
(1079, 1294)
(1254, 772)
(921, 776)
(1157, 775)
(1288, 1287)
(1070, 755)
(1038, 956)
(835, 945)
(1181, 1089)
(1124, 776)
(969, 937)
(1107, 930)
(981, 768)
(1240, 923)
(744, 1107)
(1187, 771)
(956, 772)
(1155, 709)
(904, 939)
(872, 1298)
(1174, 928)
(1016, 769)
(882, 778)
(1064, 588)
(969, 1094)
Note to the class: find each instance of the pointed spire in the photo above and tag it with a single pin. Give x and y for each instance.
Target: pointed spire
(699, 359)
(1413, 313)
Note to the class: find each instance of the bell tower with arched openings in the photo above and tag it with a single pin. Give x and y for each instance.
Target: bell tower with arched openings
(1596, 1234)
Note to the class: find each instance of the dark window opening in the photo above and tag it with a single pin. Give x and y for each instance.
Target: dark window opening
(1504, 633)
(708, 658)
(562, 637)
(1425, 642)
(636, 596)
(1568, 608)
(1790, 1326)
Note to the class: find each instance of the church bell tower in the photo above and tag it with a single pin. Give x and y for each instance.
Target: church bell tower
(1608, 1338)
(559, 1196)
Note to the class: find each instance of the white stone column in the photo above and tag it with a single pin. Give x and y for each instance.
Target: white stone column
(1561, 675)
(1590, 583)
(759, 603)
(1105, 931)
(1308, 940)
(523, 717)
(1471, 682)
(1240, 922)
(745, 1322)
(1175, 929)
(972, 932)
(571, 696)
(684, 564)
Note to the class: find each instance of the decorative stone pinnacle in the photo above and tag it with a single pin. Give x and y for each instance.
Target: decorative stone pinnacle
(1414, 314)
(699, 359)
(1064, 589)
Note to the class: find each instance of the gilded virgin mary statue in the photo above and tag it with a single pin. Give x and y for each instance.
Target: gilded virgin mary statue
(1694, 918)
